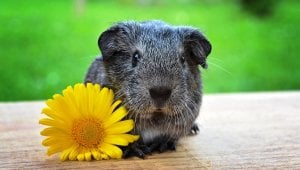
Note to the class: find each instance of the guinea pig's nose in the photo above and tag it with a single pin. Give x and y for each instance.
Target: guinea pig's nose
(160, 93)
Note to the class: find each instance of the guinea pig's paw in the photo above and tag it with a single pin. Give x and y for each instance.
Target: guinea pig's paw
(136, 149)
(170, 145)
(195, 129)
(162, 144)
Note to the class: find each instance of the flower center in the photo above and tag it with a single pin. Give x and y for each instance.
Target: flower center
(88, 132)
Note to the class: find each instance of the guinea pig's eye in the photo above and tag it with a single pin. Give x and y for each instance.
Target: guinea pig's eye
(135, 58)
(182, 60)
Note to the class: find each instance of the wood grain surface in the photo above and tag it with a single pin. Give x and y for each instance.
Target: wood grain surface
(238, 131)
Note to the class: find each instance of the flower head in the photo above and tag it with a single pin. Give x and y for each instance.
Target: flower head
(84, 123)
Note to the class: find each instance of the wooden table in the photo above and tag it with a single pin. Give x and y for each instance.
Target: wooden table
(238, 131)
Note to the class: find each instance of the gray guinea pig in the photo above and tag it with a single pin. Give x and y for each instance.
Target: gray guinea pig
(154, 68)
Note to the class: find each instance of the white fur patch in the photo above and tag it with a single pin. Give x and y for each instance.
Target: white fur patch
(149, 134)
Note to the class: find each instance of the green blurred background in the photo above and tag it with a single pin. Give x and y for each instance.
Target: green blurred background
(47, 45)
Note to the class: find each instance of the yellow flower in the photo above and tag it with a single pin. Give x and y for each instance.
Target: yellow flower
(84, 124)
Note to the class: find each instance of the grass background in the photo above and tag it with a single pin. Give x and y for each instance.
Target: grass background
(46, 46)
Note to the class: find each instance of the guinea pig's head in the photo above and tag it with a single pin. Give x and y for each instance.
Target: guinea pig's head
(154, 67)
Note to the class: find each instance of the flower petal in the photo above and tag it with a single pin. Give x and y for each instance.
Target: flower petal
(116, 140)
(65, 154)
(53, 131)
(88, 156)
(114, 105)
(104, 156)
(128, 137)
(103, 101)
(111, 150)
(80, 157)
(96, 154)
(71, 101)
(48, 122)
(121, 139)
(54, 123)
(54, 140)
(74, 153)
(120, 127)
(106, 102)
(119, 114)
(52, 114)
(58, 106)
(90, 98)
(81, 98)
(57, 148)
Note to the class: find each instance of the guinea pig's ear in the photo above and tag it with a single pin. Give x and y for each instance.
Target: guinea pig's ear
(196, 46)
(114, 40)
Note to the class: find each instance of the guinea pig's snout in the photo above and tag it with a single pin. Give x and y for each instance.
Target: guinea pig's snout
(160, 95)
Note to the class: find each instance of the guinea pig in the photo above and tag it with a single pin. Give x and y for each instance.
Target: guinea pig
(154, 68)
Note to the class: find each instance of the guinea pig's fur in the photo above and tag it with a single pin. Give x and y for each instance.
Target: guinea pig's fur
(154, 68)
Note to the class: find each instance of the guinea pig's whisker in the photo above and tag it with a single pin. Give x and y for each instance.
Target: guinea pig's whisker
(221, 68)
